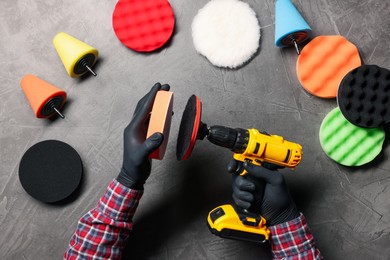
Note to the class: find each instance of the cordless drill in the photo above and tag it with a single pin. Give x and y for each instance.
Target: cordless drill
(229, 221)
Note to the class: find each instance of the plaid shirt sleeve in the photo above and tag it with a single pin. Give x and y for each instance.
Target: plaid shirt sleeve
(102, 232)
(293, 240)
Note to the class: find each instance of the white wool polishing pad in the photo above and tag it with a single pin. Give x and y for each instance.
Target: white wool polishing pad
(226, 32)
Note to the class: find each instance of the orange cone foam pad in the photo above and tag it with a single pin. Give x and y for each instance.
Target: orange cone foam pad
(43, 97)
(160, 120)
(143, 25)
(324, 62)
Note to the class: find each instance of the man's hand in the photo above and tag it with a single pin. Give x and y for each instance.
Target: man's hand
(263, 191)
(136, 163)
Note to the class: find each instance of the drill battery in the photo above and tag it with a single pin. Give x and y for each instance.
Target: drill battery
(233, 223)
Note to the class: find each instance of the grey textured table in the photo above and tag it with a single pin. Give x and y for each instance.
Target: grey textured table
(347, 208)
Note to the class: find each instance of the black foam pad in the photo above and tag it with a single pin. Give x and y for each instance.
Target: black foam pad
(50, 171)
(185, 139)
(364, 96)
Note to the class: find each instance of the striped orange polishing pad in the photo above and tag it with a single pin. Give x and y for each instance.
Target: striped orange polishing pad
(324, 62)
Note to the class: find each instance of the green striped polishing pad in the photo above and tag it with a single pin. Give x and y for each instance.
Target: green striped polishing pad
(348, 144)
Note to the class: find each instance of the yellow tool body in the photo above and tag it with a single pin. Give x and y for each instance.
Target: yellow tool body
(249, 145)
(225, 222)
(273, 149)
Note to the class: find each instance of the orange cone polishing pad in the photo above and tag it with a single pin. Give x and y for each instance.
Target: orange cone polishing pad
(190, 128)
(45, 99)
(324, 62)
(50, 171)
(160, 120)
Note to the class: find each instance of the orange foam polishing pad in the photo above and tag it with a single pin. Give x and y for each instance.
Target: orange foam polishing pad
(39, 93)
(160, 120)
(324, 62)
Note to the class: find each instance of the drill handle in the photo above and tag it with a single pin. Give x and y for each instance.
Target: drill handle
(259, 184)
(251, 216)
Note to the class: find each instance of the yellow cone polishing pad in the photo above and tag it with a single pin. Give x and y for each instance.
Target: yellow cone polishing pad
(76, 56)
(324, 62)
(348, 144)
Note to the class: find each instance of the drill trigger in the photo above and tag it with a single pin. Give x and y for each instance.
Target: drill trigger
(247, 161)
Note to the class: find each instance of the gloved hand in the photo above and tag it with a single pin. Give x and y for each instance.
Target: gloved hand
(263, 191)
(136, 163)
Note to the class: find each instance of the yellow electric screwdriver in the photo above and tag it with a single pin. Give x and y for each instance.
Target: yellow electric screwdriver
(247, 145)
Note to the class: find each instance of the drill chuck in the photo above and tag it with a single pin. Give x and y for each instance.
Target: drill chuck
(234, 139)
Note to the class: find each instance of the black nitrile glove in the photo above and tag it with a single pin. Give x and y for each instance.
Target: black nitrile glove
(263, 191)
(136, 163)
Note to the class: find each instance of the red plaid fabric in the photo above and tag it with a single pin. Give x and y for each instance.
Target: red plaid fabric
(102, 232)
(293, 240)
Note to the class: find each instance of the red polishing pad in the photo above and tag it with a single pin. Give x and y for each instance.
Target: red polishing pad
(189, 128)
(143, 25)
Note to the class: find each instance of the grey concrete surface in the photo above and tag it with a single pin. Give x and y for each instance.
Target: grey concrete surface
(347, 208)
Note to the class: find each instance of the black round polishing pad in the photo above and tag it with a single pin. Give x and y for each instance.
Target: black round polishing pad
(364, 96)
(189, 127)
(50, 171)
